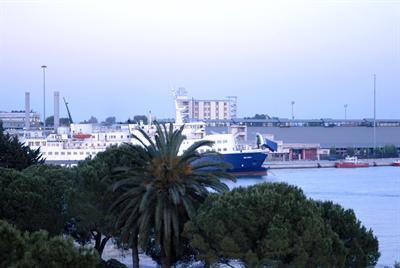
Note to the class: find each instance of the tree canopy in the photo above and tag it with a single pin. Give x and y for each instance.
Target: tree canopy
(38, 249)
(92, 196)
(14, 154)
(35, 198)
(274, 224)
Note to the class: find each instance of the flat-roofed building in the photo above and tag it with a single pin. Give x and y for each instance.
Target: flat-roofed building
(16, 119)
(205, 109)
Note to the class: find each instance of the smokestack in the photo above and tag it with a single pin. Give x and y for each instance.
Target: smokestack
(56, 110)
(27, 111)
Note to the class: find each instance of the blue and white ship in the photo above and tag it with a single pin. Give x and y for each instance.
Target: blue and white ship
(242, 158)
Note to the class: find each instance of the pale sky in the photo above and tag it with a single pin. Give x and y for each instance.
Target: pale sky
(120, 57)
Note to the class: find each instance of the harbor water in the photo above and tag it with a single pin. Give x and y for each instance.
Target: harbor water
(373, 194)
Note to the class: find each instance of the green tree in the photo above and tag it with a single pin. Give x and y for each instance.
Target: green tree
(350, 151)
(50, 121)
(138, 118)
(89, 204)
(163, 191)
(361, 245)
(273, 225)
(110, 120)
(390, 150)
(14, 154)
(332, 151)
(38, 249)
(35, 199)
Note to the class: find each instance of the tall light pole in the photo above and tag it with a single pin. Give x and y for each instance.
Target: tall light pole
(374, 113)
(292, 103)
(44, 96)
(345, 111)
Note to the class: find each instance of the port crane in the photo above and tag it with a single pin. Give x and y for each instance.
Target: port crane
(69, 114)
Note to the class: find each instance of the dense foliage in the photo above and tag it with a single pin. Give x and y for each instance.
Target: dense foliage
(35, 198)
(276, 225)
(90, 201)
(38, 249)
(14, 154)
(163, 190)
(361, 245)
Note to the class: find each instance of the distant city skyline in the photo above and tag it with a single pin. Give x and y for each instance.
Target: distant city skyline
(120, 58)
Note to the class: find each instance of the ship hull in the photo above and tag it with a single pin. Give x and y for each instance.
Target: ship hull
(243, 163)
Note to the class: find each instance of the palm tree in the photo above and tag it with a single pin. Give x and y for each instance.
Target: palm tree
(164, 190)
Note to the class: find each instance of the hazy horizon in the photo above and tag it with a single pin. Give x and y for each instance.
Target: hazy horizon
(119, 58)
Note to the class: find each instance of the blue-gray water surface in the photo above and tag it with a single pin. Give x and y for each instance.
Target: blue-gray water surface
(373, 193)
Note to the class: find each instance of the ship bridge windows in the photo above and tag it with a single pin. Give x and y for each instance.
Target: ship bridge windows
(62, 153)
(75, 153)
(68, 153)
(50, 153)
(55, 153)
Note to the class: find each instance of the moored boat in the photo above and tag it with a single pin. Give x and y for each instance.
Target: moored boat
(351, 162)
(396, 163)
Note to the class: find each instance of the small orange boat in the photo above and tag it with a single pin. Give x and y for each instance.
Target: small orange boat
(81, 136)
(351, 162)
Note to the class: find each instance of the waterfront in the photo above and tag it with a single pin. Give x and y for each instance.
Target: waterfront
(373, 193)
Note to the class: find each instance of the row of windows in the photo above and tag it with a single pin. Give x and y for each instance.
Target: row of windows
(69, 153)
(213, 150)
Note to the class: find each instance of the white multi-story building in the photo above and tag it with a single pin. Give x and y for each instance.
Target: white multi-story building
(200, 109)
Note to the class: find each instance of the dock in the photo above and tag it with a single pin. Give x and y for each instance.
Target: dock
(378, 162)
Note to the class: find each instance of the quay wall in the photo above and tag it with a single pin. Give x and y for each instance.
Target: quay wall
(322, 163)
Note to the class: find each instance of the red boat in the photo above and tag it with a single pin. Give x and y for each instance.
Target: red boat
(396, 163)
(82, 136)
(351, 162)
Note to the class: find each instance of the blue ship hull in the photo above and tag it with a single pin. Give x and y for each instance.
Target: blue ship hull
(244, 163)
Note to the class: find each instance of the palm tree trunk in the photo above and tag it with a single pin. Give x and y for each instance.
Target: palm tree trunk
(135, 251)
(165, 259)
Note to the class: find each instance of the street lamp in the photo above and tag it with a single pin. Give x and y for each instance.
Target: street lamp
(345, 111)
(44, 96)
(292, 109)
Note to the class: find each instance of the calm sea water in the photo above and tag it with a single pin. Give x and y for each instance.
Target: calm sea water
(373, 193)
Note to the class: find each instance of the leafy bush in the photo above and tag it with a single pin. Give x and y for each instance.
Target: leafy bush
(39, 250)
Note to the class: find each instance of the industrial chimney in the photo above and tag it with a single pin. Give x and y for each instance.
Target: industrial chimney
(27, 111)
(56, 110)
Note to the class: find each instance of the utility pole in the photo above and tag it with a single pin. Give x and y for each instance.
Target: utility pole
(374, 113)
(44, 96)
(292, 109)
(345, 111)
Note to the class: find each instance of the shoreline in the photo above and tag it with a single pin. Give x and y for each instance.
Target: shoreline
(294, 164)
